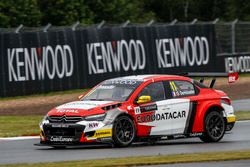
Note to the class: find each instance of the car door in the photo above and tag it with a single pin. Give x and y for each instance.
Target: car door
(154, 114)
(181, 110)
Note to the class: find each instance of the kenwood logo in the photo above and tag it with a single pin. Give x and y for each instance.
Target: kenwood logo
(185, 51)
(115, 56)
(39, 63)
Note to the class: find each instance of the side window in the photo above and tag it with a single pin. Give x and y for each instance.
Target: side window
(181, 88)
(155, 90)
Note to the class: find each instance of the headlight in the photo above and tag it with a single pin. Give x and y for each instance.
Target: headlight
(99, 117)
(45, 118)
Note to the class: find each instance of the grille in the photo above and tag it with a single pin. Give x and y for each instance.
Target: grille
(61, 131)
(64, 119)
(71, 131)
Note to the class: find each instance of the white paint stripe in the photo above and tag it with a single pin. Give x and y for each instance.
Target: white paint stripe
(18, 138)
(243, 121)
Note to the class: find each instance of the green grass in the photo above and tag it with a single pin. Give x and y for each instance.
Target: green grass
(28, 125)
(147, 160)
(242, 115)
(46, 94)
(19, 125)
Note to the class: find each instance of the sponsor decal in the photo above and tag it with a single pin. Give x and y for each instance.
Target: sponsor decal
(114, 56)
(60, 125)
(195, 134)
(106, 87)
(67, 111)
(26, 64)
(232, 77)
(82, 105)
(61, 139)
(175, 92)
(151, 107)
(159, 117)
(122, 81)
(186, 51)
(93, 125)
(102, 133)
(137, 110)
(237, 64)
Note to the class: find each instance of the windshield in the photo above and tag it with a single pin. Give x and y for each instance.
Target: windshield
(113, 90)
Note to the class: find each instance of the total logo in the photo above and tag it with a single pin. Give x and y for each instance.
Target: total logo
(26, 64)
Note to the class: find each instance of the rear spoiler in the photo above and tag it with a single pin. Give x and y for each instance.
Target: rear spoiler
(232, 77)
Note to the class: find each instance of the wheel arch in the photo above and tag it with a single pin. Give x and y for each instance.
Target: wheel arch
(201, 115)
(216, 108)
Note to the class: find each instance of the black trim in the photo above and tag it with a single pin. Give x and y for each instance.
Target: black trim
(191, 117)
(167, 89)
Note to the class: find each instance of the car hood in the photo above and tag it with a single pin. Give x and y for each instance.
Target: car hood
(81, 108)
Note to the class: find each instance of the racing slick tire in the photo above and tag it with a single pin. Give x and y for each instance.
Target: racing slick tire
(124, 131)
(214, 127)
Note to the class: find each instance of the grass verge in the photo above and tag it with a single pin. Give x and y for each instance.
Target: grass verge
(19, 125)
(46, 94)
(28, 125)
(242, 115)
(147, 160)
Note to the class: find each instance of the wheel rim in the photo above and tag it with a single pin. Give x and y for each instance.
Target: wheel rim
(215, 126)
(124, 130)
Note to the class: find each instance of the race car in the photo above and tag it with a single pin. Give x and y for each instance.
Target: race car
(140, 108)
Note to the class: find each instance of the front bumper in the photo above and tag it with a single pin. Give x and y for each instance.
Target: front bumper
(73, 134)
(231, 119)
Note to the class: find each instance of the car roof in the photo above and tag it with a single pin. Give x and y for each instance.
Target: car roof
(150, 77)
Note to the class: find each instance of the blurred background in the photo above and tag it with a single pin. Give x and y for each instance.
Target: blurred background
(35, 13)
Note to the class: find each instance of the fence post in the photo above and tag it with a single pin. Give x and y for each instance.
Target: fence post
(45, 29)
(233, 35)
(150, 22)
(73, 27)
(18, 28)
(125, 24)
(101, 24)
(173, 22)
(215, 20)
(194, 21)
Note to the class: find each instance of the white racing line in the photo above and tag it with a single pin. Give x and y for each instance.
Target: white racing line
(243, 121)
(37, 137)
(18, 138)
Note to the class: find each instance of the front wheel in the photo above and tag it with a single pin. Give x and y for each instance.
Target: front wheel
(214, 127)
(123, 131)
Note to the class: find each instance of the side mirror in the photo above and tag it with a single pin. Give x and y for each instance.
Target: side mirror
(143, 99)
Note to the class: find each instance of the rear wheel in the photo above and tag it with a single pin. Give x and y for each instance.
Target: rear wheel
(123, 131)
(214, 127)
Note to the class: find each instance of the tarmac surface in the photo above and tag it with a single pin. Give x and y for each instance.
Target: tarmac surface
(241, 105)
(24, 151)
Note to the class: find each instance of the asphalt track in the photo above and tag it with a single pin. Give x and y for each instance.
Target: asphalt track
(23, 151)
(241, 105)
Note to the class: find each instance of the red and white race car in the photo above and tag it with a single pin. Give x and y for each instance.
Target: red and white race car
(140, 108)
